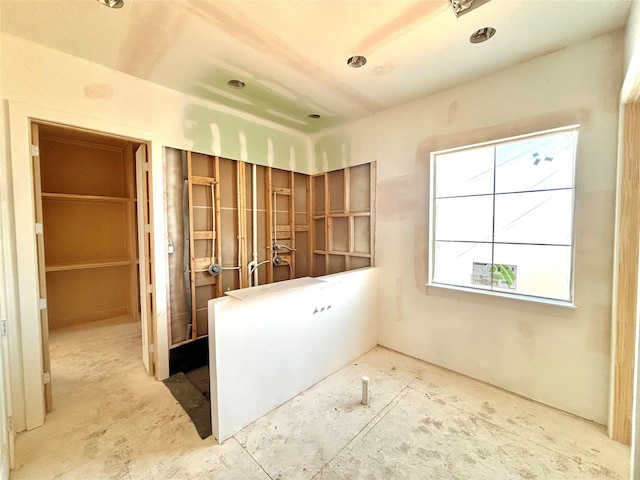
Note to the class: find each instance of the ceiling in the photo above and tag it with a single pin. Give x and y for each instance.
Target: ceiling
(292, 54)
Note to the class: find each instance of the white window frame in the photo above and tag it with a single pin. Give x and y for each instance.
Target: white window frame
(500, 293)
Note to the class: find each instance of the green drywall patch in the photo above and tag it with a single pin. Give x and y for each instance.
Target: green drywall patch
(264, 97)
(333, 151)
(217, 133)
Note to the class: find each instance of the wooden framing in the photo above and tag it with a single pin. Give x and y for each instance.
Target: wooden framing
(293, 219)
(242, 224)
(268, 197)
(342, 239)
(292, 224)
(302, 225)
(328, 224)
(218, 222)
(88, 254)
(282, 233)
(625, 300)
(203, 239)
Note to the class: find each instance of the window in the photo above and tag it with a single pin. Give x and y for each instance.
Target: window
(502, 216)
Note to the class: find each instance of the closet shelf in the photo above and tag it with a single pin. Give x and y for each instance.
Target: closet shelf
(84, 198)
(84, 266)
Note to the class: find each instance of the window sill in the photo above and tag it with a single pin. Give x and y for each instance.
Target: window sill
(433, 288)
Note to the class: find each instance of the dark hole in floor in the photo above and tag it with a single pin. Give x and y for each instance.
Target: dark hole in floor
(189, 382)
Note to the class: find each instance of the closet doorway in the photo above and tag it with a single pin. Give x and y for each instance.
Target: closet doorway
(93, 234)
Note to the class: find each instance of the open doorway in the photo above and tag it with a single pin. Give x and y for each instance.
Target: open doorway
(94, 242)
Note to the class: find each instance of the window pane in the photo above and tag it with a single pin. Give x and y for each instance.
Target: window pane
(541, 271)
(467, 172)
(534, 217)
(465, 218)
(453, 262)
(536, 163)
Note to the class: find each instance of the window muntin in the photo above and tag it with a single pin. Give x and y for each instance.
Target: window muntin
(502, 215)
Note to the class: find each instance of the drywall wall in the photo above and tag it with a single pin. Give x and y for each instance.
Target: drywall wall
(8, 307)
(631, 88)
(47, 85)
(555, 355)
(269, 347)
(11, 370)
(41, 76)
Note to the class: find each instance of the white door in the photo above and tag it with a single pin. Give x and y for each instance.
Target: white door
(42, 278)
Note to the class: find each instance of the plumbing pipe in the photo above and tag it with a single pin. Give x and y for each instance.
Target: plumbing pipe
(240, 225)
(365, 390)
(284, 261)
(278, 246)
(254, 223)
(254, 267)
(275, 223)
(214, 269)
(251, 267)
(213, 222)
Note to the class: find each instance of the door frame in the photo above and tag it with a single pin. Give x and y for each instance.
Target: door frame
(141, 187)
(25, 332)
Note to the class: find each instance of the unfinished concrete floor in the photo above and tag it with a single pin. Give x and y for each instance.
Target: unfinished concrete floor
(112, 421)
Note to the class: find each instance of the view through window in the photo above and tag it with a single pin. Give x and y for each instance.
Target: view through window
(502, 215)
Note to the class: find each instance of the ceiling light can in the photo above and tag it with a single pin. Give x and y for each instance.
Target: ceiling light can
(356, 61)
(237, 84)
(482, 35)
(112, 3)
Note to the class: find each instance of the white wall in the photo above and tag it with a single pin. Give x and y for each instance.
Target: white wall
(267, 349)
(43, 84)
(631, 87)
(554, 355)
(5, 392)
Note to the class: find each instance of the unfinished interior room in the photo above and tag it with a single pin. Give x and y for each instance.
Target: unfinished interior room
(287, 239)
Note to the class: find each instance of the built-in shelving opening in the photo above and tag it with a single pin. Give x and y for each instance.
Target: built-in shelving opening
(89, 222)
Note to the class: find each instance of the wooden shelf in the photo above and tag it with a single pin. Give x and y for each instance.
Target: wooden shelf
(84, 198)
(84, 266)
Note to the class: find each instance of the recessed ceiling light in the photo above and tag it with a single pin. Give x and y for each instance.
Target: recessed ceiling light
(482, 35)
(315, 116)
(238, 84)
(356, 61)
(112, 3)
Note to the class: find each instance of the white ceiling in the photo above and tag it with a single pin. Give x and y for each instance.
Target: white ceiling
(293, 54)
